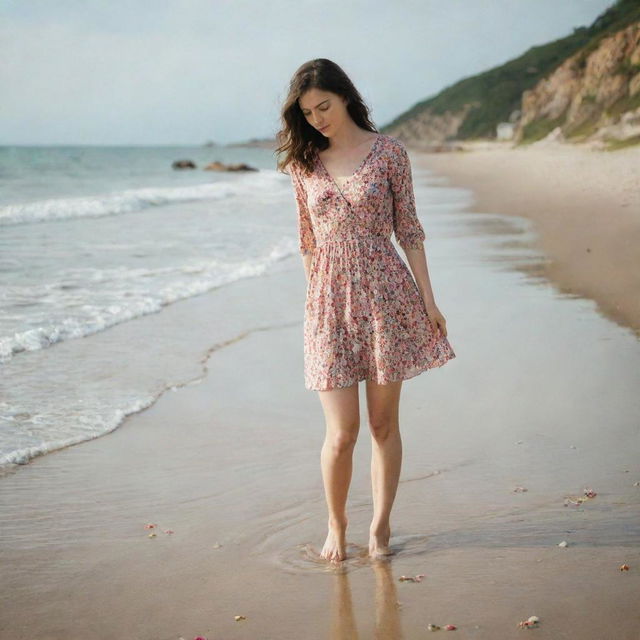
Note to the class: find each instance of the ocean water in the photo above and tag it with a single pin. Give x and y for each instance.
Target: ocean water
(94, 237)
(103, 254)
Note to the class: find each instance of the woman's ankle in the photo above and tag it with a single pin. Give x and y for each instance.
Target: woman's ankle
(338, 522)
(380, 526)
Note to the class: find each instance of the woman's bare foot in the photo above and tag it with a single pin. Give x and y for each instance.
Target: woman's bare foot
(335, 545)
(379, 541)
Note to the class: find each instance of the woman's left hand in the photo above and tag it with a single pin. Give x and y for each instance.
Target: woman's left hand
(437, 319)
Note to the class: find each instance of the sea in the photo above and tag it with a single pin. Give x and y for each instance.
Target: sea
(109, 257)
(94, 237)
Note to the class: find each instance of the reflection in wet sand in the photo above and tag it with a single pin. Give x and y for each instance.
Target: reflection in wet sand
(387, 608)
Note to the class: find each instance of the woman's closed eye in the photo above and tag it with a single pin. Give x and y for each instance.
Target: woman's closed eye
(325, 109)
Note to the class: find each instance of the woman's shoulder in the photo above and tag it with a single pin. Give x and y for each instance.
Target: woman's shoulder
(392, 143)
(298, 170)
(392, 153)
(294, 169)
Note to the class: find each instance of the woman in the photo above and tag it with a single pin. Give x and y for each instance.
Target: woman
(365, 316)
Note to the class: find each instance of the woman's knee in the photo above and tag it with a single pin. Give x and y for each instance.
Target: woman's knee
(383, 407)
(383, 424)
(342, 417)
(342, 440)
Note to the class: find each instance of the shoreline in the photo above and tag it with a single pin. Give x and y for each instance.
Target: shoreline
(585, 205)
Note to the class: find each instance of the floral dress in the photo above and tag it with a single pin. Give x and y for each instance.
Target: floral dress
(364, 316)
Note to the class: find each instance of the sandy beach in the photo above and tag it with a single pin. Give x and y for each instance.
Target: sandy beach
(585, 204)
(500, 445)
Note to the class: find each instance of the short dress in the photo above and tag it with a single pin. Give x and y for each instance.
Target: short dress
(364, 316)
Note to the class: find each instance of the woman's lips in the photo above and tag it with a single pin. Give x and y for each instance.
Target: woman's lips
(324, 128)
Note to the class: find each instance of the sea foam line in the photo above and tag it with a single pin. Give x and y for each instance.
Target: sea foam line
(116, 203)
(211, 274)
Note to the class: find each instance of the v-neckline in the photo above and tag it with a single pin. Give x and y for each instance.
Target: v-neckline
(358, 168)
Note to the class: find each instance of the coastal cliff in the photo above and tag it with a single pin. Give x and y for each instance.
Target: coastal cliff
(594, 94)
(584, 87)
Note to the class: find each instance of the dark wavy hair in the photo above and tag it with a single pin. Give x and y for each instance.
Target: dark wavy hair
(297, 139)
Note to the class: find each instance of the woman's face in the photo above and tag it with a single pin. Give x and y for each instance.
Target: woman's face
(324, 110)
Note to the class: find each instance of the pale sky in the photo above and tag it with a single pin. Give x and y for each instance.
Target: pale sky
(187, 71)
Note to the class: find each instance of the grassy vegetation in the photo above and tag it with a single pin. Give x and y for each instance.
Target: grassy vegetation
(492, 96)
(626, 103)
(613, 144)
(538, 129)
(584, 128)
(627, 68)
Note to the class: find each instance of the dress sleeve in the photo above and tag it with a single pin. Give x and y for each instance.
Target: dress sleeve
(406, 226)
(306, 237)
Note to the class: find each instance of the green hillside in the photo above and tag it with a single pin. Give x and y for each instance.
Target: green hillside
(496, 93)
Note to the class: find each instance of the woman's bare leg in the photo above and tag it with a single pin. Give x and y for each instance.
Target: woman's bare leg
(386, 459)
(342, 416)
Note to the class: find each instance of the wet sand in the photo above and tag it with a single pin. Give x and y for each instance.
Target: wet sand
(543, 396)
(585, 204)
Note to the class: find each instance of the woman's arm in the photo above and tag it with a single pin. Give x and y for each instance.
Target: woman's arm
(306, 262)
(306, 235)
(410, 234)
(418, 262)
